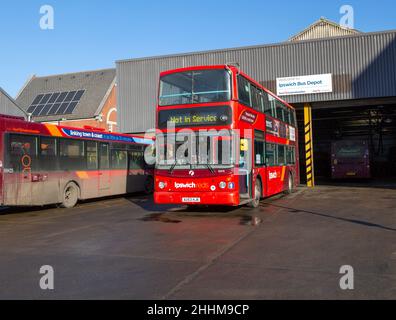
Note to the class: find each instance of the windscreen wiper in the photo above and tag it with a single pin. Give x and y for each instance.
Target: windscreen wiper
(210, 168)
(172, 167)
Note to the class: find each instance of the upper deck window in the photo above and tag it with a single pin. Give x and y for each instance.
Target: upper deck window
(199, 86)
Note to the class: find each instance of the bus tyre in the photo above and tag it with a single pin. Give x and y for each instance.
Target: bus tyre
(257, 195)
(70, 195)
(290, 184)
(149, 185)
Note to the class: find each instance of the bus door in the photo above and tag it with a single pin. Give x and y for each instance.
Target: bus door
(104, 168)
(45, 182)
(271, 169)
(136, 169)
(244, 169)
(21, 153)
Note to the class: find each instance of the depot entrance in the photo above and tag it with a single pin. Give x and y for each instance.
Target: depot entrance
(374, 124)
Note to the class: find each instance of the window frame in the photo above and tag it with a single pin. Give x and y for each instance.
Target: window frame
(269, 104)
(230, 87)
(284, 163)
(239, 76)
(291, 155)
(100, 165)
(55, 157)
(9, 157)
(275, 164)
(112, 162)
(262, 141)
(97, 155)
(82, 158)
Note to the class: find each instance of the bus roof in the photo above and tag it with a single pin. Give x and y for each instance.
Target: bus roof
(184, 69)
(233, 69)
(19, 125)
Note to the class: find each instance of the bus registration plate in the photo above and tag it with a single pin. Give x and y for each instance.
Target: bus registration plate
(194, 200)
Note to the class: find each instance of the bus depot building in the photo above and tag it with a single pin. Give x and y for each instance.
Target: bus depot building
(8, 105)
(341, 82)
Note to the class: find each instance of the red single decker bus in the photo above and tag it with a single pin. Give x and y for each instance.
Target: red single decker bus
(222, 139)
(46, 164)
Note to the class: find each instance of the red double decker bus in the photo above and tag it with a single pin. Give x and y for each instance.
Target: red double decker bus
(244, 139)
(46, 164)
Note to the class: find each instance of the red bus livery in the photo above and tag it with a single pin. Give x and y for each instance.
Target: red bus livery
(222, 139)
(45, 164)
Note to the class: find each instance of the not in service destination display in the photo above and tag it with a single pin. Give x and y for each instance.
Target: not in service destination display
(217, 116)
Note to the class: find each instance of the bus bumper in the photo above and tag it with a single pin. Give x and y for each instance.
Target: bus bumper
(191, 198)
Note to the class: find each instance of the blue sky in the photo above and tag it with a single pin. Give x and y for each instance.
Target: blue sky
(92, 34)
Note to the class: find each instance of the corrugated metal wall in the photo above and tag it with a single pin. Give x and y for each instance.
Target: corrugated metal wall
(8, 107)
(363, 66)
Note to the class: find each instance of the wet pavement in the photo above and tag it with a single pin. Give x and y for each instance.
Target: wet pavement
(291, 247)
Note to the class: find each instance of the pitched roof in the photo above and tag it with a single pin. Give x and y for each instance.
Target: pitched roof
(97, 85)
(8, 105)
(323, 28)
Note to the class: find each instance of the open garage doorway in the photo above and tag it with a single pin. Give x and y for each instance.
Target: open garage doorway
(359, 127)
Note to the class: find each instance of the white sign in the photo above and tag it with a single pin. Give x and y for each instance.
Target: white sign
(317, 83)
(292, 133)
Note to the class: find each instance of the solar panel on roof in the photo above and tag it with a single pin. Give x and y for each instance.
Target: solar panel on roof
(62, 108)
(45, 110)
(37, 110)
(31, 108)
(78, 95)
(70, 96)
(37, 99)
(61, 97)
(54, 108)
(71, 107)
(56, 103)
(46, 98)
(54, 97)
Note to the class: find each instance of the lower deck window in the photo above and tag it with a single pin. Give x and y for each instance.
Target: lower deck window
(270, 154)
(22, 153)
(71, 154)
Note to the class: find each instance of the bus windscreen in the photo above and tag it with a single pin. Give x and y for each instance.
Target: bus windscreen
(195, 87)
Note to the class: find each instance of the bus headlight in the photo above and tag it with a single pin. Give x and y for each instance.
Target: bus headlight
(161, 185)
(231, 185)
(222, 185)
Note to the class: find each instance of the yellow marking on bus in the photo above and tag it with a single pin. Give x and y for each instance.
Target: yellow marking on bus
(53, 129)
(283, 173)
(244, 145)
(82, 174)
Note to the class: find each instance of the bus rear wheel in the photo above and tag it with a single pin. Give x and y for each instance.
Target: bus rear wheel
(70, 195)
(257, 195)
(290, 184)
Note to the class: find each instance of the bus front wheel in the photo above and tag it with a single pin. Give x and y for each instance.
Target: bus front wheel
(257, 195)
(70, 195)
(149, 185)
